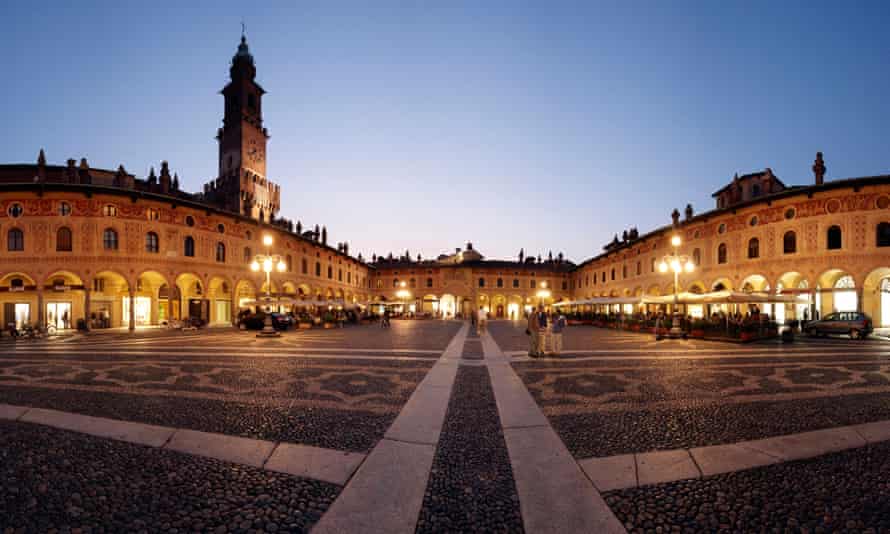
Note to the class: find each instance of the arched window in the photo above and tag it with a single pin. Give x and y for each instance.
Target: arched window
(624, 271)
(755, 190)
(721, 253)
(639, 268)
(290, 263)
(482, 282)
(754, 248)
(883, 234)
(789, 242)
(317, 268)
(340, 277)
(248, 254)
(516, 282)
(221, 252)
(696, 257)
(109, 239)
(395, 282)
(379, 284)
(429, 282)
(330, 272)
(15, 240)
(189, 246)
(151, 242)
(834, 238)
(63, 239)
(613, 273)
(500, 282)
(532, 284)
(304, 266)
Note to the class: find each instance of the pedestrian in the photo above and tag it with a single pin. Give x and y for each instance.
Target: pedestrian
(559, 323)
(481, 321)
(65, 319)
(542, 331)
(531, 331)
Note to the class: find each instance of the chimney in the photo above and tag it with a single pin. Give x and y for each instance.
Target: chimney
(819, 169)
(675, 216)
(165, 177)
(688, 211)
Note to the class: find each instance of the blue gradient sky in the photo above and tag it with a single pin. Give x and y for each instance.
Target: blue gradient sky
(544, 125)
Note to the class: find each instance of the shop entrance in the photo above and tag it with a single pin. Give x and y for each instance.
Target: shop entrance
(58, 314)
(142, 310)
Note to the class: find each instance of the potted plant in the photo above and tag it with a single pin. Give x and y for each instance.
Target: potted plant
(304, 321)
(329, 320)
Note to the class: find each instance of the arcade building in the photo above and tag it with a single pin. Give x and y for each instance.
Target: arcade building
(79, 243)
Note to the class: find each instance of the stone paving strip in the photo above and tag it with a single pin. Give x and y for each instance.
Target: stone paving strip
(658, 467)
(554, 493)
(327, 465)
(386, 493)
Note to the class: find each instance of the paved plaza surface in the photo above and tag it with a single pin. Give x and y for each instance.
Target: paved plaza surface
(427, 427)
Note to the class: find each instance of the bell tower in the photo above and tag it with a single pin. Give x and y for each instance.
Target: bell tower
(242, 185)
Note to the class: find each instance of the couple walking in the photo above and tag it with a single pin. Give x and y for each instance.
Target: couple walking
(545, 331)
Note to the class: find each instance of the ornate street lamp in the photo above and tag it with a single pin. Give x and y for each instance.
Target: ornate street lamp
(677, 263)
(267, 263)
(543, 294)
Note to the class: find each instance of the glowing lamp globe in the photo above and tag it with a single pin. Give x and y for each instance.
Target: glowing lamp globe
(267, 240)
(254, 266)
(676, 241)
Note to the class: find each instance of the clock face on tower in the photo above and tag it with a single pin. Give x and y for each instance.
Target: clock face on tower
(255, 153)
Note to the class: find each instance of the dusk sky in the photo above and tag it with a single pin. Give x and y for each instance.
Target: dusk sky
(421, 126)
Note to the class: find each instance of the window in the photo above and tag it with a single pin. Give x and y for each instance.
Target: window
(429, 282)
(722, 228)
(532, 284)
(624, 271)
(189, 220)
(482, 282)
(651, 266)
(790, 213)
(340, 277)
(151, 242)
(754, 220)
(221, 228)
(721, 253)
(248, 254)
(883, 234)
(395, 282)
(189, 247)
(99, 285)
(109, 210)
(613, 273)
(753, 248)
(500, 282)
(317, 269)
(221, 252)
(152, 214)
(755, 190)
(330, 272)
(15, 240)
(64, 209)
(290, 263)
(696, 257)
(789, 242)
(565, 285)
(834, 237)
(516, 282)
(639, 268)
(109, 239)
(248, 236)
(603, 277)
(304, 266)
(63, 239)
(16, 210)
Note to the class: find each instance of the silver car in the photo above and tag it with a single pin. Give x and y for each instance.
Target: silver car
(855, 324)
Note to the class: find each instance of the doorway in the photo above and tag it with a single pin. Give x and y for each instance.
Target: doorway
(58, 314)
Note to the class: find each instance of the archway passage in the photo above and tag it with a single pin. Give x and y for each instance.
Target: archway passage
(64, 300)
(18, 294)
(876, 296)
(219, 294)
(836, 292)
(110, 291)
(194, 304)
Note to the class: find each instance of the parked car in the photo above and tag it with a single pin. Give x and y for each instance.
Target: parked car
(855, 324)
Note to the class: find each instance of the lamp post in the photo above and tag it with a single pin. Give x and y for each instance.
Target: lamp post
(267, 263)
(677, 263)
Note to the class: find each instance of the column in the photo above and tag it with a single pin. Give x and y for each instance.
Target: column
(132, 317)
(86, 306)
(234, 308)
(41, 324)
(859, 291)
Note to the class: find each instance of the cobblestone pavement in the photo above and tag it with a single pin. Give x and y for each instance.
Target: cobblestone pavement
(338, 388)
(471, 487)
(610, 396)
(60, 481)
(841, 492)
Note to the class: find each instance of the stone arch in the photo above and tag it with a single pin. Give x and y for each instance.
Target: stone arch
(754, 282)
(829, 297)
(219, 295)
(722, 284)
(193, 293)
(876, 296)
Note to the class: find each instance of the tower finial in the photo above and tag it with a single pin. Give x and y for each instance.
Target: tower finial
(243, 31)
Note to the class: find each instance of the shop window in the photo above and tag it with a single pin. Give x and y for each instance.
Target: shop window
(63, 239)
